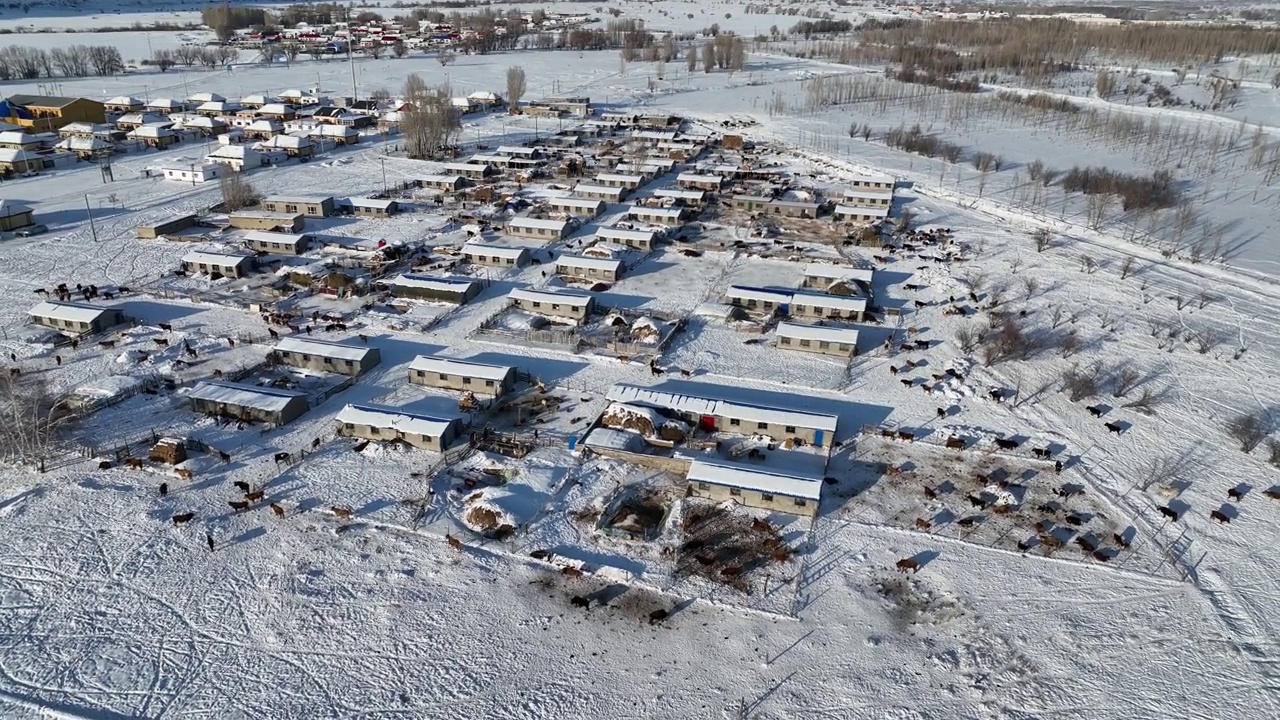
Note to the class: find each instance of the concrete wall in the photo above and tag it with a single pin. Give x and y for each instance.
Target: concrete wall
(834, 348)
(319, 363)
(455, 381)
(753, 499)
(422, 442)
(575, 312)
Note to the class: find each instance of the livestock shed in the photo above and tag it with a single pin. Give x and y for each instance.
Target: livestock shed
(504, 255)
(539, 228)
(196, 172)
(868, 198)
(577, 207)
(251, 403)
(751, 202)
(692, 198)
(822, 305)
(457, 290)
(694, 181)
(443, 183)
(667, 217)
(718, 414)
(323, 356)
(381, 423)
(856, 213)
(873, 182)
(754, 298)
(471, 171)
(824, 339)
(277, 243)
(266, 220)
(374, 207)
(452, 374)
(600, 192)
(310, 206)
(588, 268)
(638, 239)
(794, 208)
(819, 276)
(209, 262)
(630, 182)
(76, 318)
(756, 488)
(172, 225)
(553, 303)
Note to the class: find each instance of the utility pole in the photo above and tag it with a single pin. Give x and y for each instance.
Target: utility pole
(89, 209)
(384, 174)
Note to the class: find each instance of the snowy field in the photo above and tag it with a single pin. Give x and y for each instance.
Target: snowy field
(108, 609)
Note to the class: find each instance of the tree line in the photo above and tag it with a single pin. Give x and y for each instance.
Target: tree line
(28, 63)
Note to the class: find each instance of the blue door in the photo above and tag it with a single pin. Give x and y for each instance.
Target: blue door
(817, 438)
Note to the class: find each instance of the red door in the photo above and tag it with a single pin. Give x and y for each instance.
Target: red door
(708, 423)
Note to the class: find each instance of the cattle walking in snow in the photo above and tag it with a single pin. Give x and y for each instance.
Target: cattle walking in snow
(1005, 444)
(209, 539)
(908, 564)
(182, 518)
(255, 496)
(164, 489)
(1094, 410)
(277, 509)
(1169, 512)
(340, 512)
(657, 616)
(579, 601)
(1115, 428)
(1220, 517)
(238, 505)
(1236, 493)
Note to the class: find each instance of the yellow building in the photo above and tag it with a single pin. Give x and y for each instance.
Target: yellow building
(43, 114)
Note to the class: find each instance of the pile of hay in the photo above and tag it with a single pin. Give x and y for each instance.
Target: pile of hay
(645, 330)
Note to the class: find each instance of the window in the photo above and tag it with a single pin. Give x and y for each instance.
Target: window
(791, 428)
(555, 306)
(348, 363)
(537, 304)
(306, 358)
(375, 431)
(443, 376)
(511, 261)
(703, 486)
(800, 502)
(349, 426)
(735, 491)
(420, 373)
(785, 340)
(488, 383)
(762, 426)
(466, 380)
(766, 497)
(291, 208)
(285, 354)
(805, 342)
(735, 422)
(824, 345)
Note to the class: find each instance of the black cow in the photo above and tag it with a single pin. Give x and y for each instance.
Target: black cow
(1169, 513)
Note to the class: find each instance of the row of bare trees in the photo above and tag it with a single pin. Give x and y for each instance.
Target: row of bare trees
(431, 124)
(28, 63)
(189, 56)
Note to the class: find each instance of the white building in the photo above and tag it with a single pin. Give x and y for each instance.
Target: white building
(824, 339)
(196, 172)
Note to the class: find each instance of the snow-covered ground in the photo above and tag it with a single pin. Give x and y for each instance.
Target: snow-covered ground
(111, 610)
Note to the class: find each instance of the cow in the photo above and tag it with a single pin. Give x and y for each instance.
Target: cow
(182, 518)
(1042, 453)
(686, 373)
(956, 443)
(1236, 493)
(1057, 466)
(1025, 545)
(160, 342)
(922, 524)
(942, 413)
(977, 501)
(1120, 540)
(364, 338)
(906, 564)
(1115, 428)
(1005, 444)
(255, 496)
(1066, 491)
(183, 473)
(341, 512)
(1094, 410)
(657, 616)
(164, 489)
(572, 572)
(272, 332)
(315, 443)
(1087, 543)
(1219, 516)
(279, 511)
(930, 493)
(893, 370)
(165, 327)
(905, 435)
(238, 505)
(454, 542)
(1168, 512)
(1273, 492)
(241, 485)
(907, 383)
(107, 343)
(1100, 556)
(104, 465)
(579, 601)
(133, 462)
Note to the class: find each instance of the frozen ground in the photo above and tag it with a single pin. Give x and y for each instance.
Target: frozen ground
(109, 610)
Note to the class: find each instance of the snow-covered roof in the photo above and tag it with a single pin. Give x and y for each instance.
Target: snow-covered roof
(544, 223)
(265, 125)
(451, 366)
(743, 292)
(502, 251)
(249, 396)
(332, 129)
(643, 210)
(203, 121)
(206, 97)
(17, 137)
(257, 100)
(868, 193)
(395, 419)
(16, 155)
(266, 215)
(275, 108)
(371, 203)
(654, 134)
(838, 272)
(292, 142)
(682, 194)
(881, 211)
(614, 233)
(216, 259)
(572, 202)
(9, 208)
(124, 100)
(818, 332)
(699, 178)
(516, 150)
(608, 438)
(796, 203)
(152, 131)
(442, 284)
(695, 405)
(876, 178)
(579, 261)
(234, 152)
(73, 312)
(444, 179)
(753, 478)
(275, 237)
(323, 348)
(561, 297)
(298, 199)
(606, 177)
(217, 106)
(164, 104)
(603, 189)
(840, 302)
(465, 167)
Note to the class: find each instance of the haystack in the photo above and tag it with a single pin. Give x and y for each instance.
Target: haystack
(621, 416)
(645, 330)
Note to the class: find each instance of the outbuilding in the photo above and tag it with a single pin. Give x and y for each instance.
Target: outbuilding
(209, 263)
(277, 243)
(381, 423)
(630, 182)
(76, 318)
(836, 278)
(638, 239)
(449, 373)
(14, 215)
(825, 339)
(457, 290)
(196, 172)
(319, 206)
(756, 298)
(664, 216)
(868, 198)
(600, 192)
(251, 403)
(874, 182)
(589, 268)
(754, 487)
(695, 181)
(577, 207)
(539, 228)
(553, 303)
(692, 198)
(374, 207)
(857, 213)
(324, 356)
(503, 255)
(822, 305)
(714, 414)
(266, 220)
(443, 183)
(471, 171)
(794, 208)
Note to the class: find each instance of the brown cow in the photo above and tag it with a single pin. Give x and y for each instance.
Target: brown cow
(1273, 492)
(906, 564)
(956, 443)
(254, 496)
(279, 511)
(160, 342)
(922, 524)
(342, 512)
(183, 518)
(132, 462)
(572, 572)
(731, 572)
(183, 473)
(454, 542)
(238, 506)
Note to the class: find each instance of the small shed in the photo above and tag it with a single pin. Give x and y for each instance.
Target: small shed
(794, 208)
(868, 197)
(452, 374)
(577, 207)
(600, 192)
(666, 217)
(382, 423)
(539, 228)
(170, 451)
(823, 305)
(266, 220)
(630, 182)
(374, 207)
(695, 181)
(443, 183)
(691, 198)
(753, 487)
(319, 206)
(589, 268)
(209, 262)
(324, 356)
(471, 171)
(14, 215)
(250, 403)
(76, 318)
(504, 255)
(638, 239)
(457, 290)
(756, 298)
(196, 172)
(277, 243)
(553, 303)
(172, 225)
(858, 213)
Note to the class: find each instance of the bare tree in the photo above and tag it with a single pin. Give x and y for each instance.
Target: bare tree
(516, 86)
(375, 50)
(967, 338)
(399, 49)
(1128, 267)
(691, 60)
(31, 417)
(445, 58)
(106, 60)
(1124, 379)
(1080, 384)
(708, 57)
(163, 59)
(1042, 238)
(237, 193)
(1147, 401)
(291, 52)
(1030, 285)
(1273, 452)
(1249, 429)
(432, 123)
